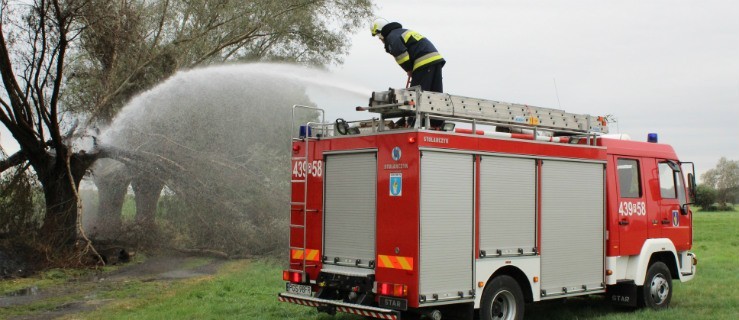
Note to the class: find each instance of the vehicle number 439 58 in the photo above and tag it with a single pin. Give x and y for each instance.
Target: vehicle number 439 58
(627, 208)
(302, 169)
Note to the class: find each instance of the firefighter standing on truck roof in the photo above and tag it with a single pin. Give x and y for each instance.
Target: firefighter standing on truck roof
(413, 52)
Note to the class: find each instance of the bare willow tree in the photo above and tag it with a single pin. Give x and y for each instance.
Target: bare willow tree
(33, 51)
(82, 59)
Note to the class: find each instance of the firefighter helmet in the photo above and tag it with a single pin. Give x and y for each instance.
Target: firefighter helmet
(377, 26)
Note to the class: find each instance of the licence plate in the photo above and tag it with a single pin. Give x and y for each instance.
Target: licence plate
(393, 303)
(298, 289)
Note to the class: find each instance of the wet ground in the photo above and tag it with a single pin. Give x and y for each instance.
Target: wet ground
(91, 288)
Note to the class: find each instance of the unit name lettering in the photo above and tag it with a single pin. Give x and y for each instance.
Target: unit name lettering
(395, 166)
(436, 140)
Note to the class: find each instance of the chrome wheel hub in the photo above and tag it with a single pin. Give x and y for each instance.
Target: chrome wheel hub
(504, 306)
(659, 289)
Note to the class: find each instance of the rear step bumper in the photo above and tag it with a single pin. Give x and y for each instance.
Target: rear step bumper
(340, 306)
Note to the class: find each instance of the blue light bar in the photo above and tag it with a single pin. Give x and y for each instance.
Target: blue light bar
(305, 131)
(652, 137)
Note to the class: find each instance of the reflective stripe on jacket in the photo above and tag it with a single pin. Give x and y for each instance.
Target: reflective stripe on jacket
(411, 49)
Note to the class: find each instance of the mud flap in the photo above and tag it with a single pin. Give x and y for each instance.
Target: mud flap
(333, 306)
(459, 311)
(624, 293)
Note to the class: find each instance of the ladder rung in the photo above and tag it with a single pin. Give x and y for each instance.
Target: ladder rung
(294, 181)
(297, 226)
(297, 248)
(297, 203)
(300, 158)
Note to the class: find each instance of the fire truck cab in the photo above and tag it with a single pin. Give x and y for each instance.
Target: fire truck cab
(427, 219)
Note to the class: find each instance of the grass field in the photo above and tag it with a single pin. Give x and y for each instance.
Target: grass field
(248, 290)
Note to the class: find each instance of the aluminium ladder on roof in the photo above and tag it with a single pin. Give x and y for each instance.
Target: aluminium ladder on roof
(413, 101)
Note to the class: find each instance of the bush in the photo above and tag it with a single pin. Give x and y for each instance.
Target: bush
(21, 204)
(726, 207)
(706, 197)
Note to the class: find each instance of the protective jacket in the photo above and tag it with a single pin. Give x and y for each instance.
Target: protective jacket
(410, 49)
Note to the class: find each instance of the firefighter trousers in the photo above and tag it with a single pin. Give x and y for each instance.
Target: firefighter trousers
(428, 77)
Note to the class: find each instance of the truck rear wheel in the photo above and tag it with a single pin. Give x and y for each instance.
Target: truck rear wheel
(502, 299)
(657, 290)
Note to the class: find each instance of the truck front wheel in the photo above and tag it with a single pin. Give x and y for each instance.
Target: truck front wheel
(657, 290)
(502, 299)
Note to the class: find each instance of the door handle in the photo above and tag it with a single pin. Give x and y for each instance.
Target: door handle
(623, 222)
(665, 221)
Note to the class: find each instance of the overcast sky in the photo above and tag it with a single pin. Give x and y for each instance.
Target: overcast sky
(670, 67)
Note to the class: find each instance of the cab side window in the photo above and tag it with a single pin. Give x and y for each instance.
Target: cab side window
(667, 181)
(629, 181)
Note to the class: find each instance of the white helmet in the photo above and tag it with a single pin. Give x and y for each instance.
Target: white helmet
(377, 26)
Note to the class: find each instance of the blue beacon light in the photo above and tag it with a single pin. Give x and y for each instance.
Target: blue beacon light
(652, 137)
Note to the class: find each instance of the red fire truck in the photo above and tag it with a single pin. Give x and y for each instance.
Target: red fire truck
(389, 221)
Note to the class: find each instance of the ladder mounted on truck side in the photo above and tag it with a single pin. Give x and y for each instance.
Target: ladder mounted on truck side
(426, 105)
(300, 251)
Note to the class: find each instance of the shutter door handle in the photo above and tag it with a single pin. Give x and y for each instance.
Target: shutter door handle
(665, 221)
(623, 222)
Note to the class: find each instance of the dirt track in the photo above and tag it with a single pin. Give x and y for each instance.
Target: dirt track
(166, 267)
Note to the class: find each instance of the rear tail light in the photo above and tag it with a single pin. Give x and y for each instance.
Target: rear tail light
(293, 276)
(400, 290)
(384, 289)
(392, 289)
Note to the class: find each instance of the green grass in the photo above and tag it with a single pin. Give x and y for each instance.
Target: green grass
(241, 290)
(63, 286)
(49, 278)
(248, 290)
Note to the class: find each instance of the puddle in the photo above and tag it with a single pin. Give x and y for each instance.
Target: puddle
(30, 291)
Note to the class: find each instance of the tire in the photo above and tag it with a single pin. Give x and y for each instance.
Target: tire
(656, 292)
(502, 299)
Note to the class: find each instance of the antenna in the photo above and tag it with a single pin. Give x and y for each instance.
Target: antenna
(556, 91)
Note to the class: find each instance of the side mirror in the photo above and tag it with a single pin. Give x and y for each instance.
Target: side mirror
(684, 209)
(691, 187)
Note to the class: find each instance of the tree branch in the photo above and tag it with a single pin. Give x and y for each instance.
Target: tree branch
(155, 42)
(11, 85)
(12, 161)
(54, 129)
(234, 41)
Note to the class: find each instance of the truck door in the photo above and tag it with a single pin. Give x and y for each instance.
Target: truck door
(675, 223)
(632, 210)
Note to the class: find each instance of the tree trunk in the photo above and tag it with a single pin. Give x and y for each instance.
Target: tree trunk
(112, 180)
(147, 192)
(60, 222)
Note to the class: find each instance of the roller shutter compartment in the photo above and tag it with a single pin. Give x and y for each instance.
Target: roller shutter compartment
(507, 206)
(446, 225)
(350, 208)
(572, 221)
